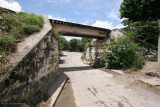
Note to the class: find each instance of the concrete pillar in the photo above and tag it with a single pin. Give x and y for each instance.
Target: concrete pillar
(97, 55)
(159, 54)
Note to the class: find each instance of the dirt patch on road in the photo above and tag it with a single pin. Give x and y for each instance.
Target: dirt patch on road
(150, 67)
(132, 79)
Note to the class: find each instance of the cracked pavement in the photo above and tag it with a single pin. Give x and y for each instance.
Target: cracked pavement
(89, 87)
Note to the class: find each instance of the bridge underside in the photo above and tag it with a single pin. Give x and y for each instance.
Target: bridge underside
(78, 30)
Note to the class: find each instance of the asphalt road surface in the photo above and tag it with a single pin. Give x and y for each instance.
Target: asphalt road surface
(88, 87)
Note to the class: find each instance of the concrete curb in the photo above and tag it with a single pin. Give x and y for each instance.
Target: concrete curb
(59, 91)
(54, 97)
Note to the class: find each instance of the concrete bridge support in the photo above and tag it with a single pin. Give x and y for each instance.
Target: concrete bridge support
(94, 53)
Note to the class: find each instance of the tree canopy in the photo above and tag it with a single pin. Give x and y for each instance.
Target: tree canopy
(84, 43)
(138, 10)
(142, 17)
(63, 44)
(74, 44)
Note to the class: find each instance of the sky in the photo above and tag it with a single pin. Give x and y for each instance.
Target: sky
(99, 13)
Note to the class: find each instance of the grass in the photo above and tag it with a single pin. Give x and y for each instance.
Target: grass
(14, 28)
(83, 57)
(56, 33)
(153, 58)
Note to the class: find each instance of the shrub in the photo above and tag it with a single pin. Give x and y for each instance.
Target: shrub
(7, 43)
(2, 69)
(7, 22)
(153, 58)
(138, 63)
(29, 29)
(84, 43)
(30, 19)
(83, 57)
(20, 24)
(63, 44)
(74, 44)
(17, 32)
(124, 54)
(55, 32)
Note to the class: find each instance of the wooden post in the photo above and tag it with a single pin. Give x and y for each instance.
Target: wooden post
(159, 54)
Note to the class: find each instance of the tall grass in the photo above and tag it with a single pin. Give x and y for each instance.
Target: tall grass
(15, 27)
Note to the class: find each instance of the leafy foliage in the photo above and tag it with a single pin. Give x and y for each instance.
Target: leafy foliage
(83, 57)
(55, 33)
(142, 17)
(6, 41)
(123, 53)
(145, 30)
(20, 24)
(154, 58)
(138, 10)
(84, 43)
(74, 44)
(29, 29)
(80, 45)
(63, 44)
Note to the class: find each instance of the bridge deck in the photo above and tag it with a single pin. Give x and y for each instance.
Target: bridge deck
(79, 30)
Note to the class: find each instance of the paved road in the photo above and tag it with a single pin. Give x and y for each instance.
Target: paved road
(90, 87)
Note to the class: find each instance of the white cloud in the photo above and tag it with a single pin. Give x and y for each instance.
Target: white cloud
(113, 15)
(56, 17)
(106, 24)
(103, 24)
(12, 5)
(59, 1)
(120, 26)
(85, 22)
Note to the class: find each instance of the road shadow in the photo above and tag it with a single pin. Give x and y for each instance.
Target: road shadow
(62, 55)
(73, 69)
(61, 61)
(52, 91)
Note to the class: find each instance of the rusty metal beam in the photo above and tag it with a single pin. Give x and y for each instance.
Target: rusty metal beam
(73, 29)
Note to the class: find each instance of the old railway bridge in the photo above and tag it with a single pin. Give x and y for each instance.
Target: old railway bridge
(100, 35)
(35, 64)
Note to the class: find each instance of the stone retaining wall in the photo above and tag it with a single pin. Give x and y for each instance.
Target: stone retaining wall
(6, 11)
(35, 67)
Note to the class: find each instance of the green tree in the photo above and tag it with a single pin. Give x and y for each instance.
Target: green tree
(140, 10)
(142, 17)
(84, 43)
(63, 44)
(145, 30)
(74, 44)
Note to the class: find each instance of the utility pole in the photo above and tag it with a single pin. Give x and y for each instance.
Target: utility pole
(159, 54)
